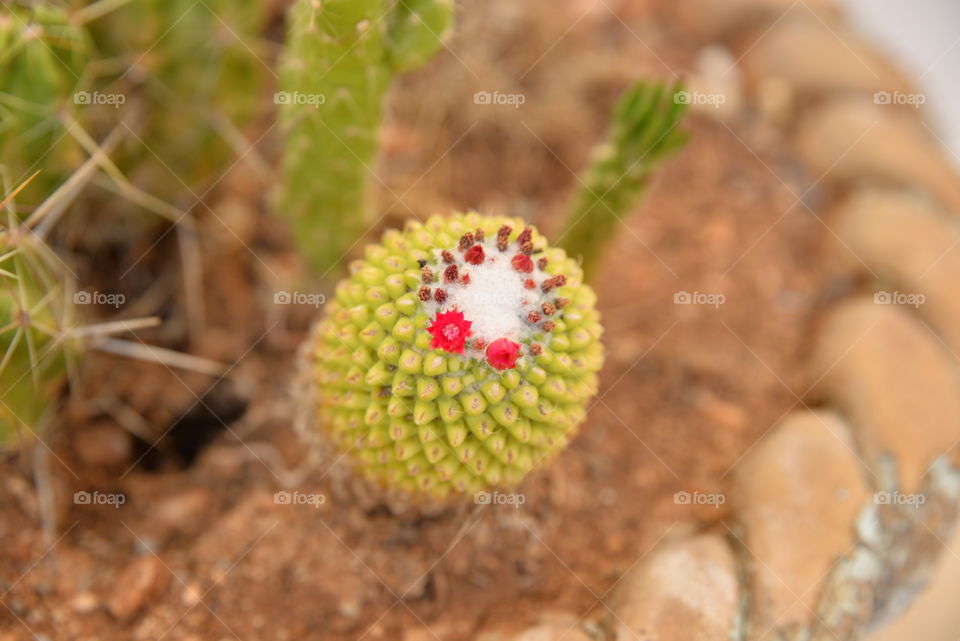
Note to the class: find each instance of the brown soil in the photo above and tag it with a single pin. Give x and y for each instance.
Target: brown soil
(687, 389)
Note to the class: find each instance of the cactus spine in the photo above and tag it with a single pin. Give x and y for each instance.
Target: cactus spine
(42, 61)
(175, 71)
(337, 66)
(643, 132)
(34, 319)
(187, 67)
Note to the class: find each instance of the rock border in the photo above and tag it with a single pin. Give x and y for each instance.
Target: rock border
(838, 514)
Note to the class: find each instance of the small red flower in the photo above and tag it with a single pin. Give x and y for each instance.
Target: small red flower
(503, 354)
(522, 263)
(475, 255)
(450, 331)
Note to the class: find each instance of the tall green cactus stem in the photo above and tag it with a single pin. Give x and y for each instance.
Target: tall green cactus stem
(34, 317)
(644, 131)
(459, 355)
(337, 66)
(42, 60)
(415, 31)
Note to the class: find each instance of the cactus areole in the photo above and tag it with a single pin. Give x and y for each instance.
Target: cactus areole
(458, 355)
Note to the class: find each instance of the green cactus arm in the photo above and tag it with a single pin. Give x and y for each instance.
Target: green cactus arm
(332, 82)
(32, 358)
(336, 68)
(416, 31)
(644, 131)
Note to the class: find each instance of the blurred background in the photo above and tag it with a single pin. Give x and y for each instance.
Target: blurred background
(923, 37)
(170, 234)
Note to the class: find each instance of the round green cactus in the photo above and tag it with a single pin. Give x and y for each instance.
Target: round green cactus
(458, 355)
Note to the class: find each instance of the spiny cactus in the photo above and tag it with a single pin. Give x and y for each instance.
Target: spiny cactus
(42, 60)
(643, 132)
(181, 74)
(415, 30)
(458, 355)
(337, 65)
(185, 65)
(34, 317)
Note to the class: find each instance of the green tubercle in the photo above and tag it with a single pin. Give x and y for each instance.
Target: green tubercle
(469, 393)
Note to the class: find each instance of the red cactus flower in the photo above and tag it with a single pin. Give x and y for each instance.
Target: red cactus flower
(522, 263)
(474, 255)
(449, 331)
(503, 354)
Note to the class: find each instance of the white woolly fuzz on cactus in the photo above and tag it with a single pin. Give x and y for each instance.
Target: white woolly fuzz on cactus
(502, 290)
(494, 300)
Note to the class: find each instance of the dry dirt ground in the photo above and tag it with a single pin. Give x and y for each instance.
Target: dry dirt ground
(200, 550)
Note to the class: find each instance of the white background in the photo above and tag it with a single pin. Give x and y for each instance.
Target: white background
(923, 37)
